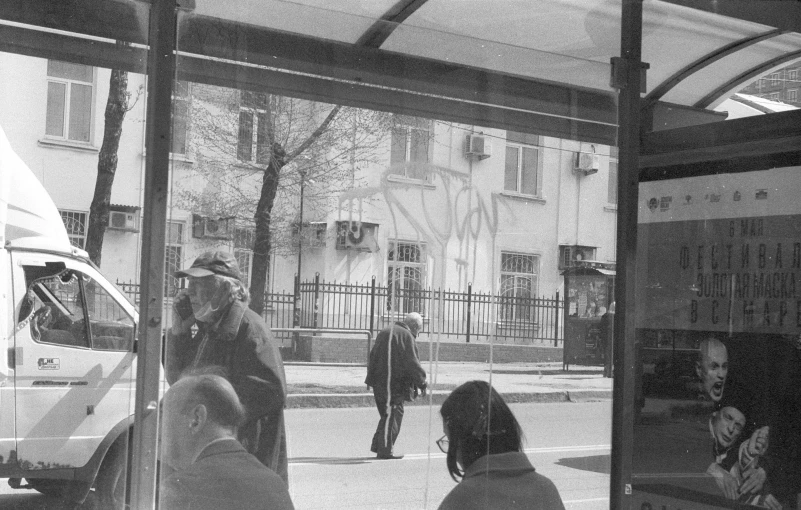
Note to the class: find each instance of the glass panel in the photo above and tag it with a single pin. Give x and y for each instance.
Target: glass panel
(244, 151)
(419, 146)
(179, 132)
(80, 112)
(262, 148)
(612, 182)
(528, 172)
(718, 329)
(112, 328)
(399, 145)
(58, 309)
(56, 101)
(511, 168)
(69, 71)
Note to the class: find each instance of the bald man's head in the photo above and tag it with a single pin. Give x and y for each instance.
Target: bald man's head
(415, 322)
(198, 409)
(712, 367)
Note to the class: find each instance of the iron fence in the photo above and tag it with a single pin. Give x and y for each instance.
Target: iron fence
(458, 315)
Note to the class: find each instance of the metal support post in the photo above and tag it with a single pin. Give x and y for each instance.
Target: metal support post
(161, 73)
(469, 307)
(630, 69)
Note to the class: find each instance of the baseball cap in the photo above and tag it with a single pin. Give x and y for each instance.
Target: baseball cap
(212, 262)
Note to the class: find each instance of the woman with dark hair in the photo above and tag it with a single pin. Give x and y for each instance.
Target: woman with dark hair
(484, 447)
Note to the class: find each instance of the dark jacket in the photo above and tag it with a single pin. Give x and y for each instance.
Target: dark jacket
(225, 476)
(503, 481)
(243, 345)
(398, 367)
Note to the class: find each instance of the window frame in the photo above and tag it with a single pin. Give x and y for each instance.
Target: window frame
(613, 176)
(405, 303)
(181, 95)
(521, 145)
(424, 129)
(171, 283)
(508, 303)
(67, 215)
(67, 106)
(774, 79)
(792, 95)
(242, 244)
(256, 105)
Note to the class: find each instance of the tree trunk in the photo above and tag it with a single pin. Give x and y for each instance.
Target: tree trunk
(262, 243)
(116, 107)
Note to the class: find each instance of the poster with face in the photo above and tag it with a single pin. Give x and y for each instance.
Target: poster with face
(718, 317)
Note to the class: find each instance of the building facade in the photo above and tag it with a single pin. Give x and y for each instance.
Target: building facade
(440, 205)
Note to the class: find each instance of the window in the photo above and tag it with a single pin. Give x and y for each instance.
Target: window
(792, 95)
(243, 251)
(110, 326)
(792, 74)
(409, 155)
(612, 191)
(406, 263)
(571, 255)
(523, 167)
(69, 101)
(75, 223)
(173, 257)
(180, 116)
(518, 286)
(774, 79)
(775, 96)
(253, 125)
(54, 307)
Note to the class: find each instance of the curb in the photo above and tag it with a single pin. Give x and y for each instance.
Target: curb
(344, 400)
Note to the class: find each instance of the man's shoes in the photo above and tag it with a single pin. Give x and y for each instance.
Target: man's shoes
(392, 456)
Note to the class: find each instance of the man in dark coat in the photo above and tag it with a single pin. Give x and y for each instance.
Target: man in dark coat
(235, 339)
(212, 469)
(395, 374)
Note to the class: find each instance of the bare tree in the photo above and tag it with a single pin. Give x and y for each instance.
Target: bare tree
(252, 149)
(117, 105)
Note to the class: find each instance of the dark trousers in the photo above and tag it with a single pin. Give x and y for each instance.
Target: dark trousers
(389, 425)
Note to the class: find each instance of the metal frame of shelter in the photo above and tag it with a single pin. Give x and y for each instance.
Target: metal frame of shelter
(362, 74)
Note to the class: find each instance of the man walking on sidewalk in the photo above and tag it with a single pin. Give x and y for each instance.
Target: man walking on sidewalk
(395, 374)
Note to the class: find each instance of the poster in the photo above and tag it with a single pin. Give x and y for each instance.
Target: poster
(718, 317)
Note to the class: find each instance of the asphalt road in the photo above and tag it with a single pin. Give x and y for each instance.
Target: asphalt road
(331, 466)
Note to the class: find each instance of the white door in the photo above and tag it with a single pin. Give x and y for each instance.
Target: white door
(73, 373)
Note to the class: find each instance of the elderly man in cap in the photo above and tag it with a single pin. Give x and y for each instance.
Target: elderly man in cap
(234, 338)
(395, 374)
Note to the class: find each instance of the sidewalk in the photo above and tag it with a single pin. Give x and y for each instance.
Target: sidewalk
(342, 385)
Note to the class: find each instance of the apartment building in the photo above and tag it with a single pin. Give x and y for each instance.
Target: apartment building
(439, 205)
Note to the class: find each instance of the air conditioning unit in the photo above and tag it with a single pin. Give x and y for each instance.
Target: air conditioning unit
(204, 227)
(121, 220)
(573, 256)
(586, 163)
(357, 235)
(478, 146)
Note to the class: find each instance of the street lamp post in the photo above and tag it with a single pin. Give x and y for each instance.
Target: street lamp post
(297, 311)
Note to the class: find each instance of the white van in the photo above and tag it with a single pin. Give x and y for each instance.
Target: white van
(67, 352)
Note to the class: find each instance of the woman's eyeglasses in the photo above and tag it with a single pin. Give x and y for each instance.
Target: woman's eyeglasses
(443, 444)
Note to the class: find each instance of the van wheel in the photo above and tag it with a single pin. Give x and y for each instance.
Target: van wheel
(112, 484)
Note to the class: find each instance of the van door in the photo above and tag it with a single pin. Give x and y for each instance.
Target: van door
(73, 373)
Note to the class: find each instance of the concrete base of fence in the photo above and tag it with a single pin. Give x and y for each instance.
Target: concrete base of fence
(327, 349)
(501, 353)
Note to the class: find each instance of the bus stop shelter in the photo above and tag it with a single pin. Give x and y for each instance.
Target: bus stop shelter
(644, 76)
